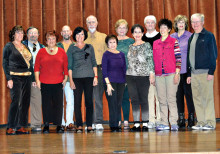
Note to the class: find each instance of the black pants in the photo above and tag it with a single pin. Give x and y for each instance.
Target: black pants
(20, 96)
(184, 89)
(114, 103)
(86, 85)
(138, 87)
(52, 103)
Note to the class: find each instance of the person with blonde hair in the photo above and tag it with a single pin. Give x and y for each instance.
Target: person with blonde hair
(184, 89)
(121, 28)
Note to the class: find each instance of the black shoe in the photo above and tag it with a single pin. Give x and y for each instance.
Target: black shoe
(144, 129)
(46, 128)
(191, 120)
(181, 121)
(60, 129)
(113, 129)
(135, 129)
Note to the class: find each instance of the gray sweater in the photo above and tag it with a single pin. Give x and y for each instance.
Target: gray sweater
(81, 61)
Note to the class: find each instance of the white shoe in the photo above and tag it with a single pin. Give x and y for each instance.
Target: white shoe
(151, 125)
(99, 127)
(197, 127)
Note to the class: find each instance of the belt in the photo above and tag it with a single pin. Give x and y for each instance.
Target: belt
(20, 73)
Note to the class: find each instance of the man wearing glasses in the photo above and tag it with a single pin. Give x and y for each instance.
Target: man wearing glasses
(35, 103)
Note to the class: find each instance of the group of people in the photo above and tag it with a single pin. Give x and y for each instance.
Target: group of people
(154, 70)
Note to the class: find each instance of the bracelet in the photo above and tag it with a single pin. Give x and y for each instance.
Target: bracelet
(108, 83)
(96, 76)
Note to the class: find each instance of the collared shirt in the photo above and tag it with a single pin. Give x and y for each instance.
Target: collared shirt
(154, 33)
(34, 53)
(98, 42)
(183, 44)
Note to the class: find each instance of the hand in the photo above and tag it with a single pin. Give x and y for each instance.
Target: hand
(109, 89)
(34, 84)
(176, 78)
(210, 77)
(152, 79)
(38, 84)
(64, 83)
(72, 84)
(188, 80)
(95, 81)
(10, 84)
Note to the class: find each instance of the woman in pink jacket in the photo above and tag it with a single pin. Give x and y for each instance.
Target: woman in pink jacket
(167, 63)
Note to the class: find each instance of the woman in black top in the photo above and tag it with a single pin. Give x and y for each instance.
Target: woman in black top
(17, 65)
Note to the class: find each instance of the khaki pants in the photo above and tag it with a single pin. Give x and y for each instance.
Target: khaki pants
(166, 91)
(152, 97)
(203, 98)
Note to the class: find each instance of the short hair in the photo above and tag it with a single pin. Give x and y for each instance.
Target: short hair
(32, 27)
(90, 17)
(14, 30)
(77, 30)
(51, 33)
(166, 22)
(109, 37)
(137, 26)
(180, 18)
(150, 17)
(196, 15)
(119, 22)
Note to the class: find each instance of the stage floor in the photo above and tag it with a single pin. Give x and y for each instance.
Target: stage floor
(184, 141)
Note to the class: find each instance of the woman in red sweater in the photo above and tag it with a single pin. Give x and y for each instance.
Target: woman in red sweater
(51, 75)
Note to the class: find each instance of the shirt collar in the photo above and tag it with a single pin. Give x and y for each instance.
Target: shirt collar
(90, 35)
(154, 33)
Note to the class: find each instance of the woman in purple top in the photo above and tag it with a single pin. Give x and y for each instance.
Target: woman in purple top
(113, 70)
(182, 35)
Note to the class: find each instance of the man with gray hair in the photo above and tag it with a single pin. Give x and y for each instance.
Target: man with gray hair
(97, 40)
(151, 36)
(201, 62)
(35, 102)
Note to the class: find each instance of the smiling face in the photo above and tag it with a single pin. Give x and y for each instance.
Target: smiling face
(33, 35)
(66, 32)
(51, 41)
(92, 24)
(164, 31)
(112, 44)
(181, 25)
(197, 24)
(150, 25)
(80, 37)
(137, 34)
(19, 34)
(122, 30)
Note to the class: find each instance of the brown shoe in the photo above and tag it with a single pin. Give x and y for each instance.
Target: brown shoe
(22, 131)
(70, 127)
(10, 131)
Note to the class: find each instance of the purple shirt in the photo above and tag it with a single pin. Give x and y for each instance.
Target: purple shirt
(114, 67)
(183, 44)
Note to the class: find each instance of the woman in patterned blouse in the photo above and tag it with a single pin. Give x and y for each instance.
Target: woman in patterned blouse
(139, 75)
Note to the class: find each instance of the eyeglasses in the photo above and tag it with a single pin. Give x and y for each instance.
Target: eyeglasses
(86, 55)
(195, 22)
(34, 47)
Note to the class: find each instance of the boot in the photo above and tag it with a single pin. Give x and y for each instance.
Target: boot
(181, 121)
(191, 120)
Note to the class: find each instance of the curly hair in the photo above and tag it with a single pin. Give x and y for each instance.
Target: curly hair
(166, 22)
(180, 18)
(51, 33)
(14, 30)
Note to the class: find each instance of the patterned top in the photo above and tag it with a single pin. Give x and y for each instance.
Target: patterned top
(140, 60)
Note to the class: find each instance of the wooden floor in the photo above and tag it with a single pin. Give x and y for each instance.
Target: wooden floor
(185, 141)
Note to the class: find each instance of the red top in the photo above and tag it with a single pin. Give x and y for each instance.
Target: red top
(52, 68)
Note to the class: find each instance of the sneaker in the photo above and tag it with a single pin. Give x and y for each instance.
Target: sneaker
(174, 127)
(99, 127)
(162, 127)
(197, 127)
(208, 127)
(151, 125)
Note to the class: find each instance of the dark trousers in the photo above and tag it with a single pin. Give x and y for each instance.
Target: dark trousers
(20, 96)
(184, 89)
(52, 103)
(83, 85)
(114, 103)
(125, 105)
(138, 87)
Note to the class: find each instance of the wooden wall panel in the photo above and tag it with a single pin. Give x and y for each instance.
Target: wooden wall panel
(54, 14)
